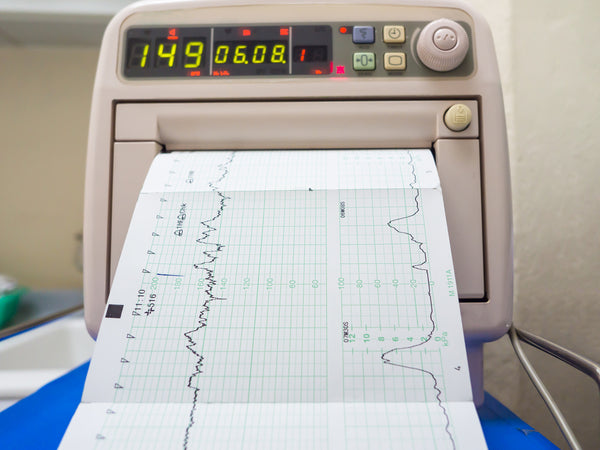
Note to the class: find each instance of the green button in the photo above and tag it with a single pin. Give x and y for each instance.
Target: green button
(363, 61)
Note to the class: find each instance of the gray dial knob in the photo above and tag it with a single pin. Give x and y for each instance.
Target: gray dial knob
(442, 45)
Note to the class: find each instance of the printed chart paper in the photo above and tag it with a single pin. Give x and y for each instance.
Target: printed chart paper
(283, 299)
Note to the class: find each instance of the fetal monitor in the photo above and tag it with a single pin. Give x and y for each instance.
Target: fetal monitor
(210, 75)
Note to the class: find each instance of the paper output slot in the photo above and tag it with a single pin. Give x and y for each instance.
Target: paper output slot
(458, 166)
(268, 125)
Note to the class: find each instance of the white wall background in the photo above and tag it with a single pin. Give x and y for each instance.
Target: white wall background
(550, 68)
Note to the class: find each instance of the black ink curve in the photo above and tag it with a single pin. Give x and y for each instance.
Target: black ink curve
(209, 276)
(421, 265)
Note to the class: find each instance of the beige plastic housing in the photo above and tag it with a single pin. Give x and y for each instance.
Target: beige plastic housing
(132, 120)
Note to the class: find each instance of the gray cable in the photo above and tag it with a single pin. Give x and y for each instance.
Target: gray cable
(541, 388)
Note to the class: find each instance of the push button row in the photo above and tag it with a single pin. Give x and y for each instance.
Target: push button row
(362, 61)
(392, 34)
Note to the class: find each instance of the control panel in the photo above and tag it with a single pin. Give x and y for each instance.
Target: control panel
(440, 48)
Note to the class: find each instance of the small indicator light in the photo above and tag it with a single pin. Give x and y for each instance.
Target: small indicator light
(172, 34)
(245, 32)
(343, 30)
(284, 32)
(340, 70)
(318, 72)
(194, 73)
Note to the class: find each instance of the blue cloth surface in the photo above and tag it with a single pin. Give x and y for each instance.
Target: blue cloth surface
(504, 430)
(40, 420)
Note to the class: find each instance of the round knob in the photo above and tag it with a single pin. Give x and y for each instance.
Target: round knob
(442, 45)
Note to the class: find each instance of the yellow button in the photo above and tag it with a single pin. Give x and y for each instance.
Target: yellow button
(458, 117)
(394, 61)
(394, 34)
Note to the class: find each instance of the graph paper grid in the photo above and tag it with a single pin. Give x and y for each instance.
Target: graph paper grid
(283, 299)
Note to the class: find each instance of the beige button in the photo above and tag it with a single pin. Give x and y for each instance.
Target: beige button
(458, 117)
(394, 61)
(394, 34)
